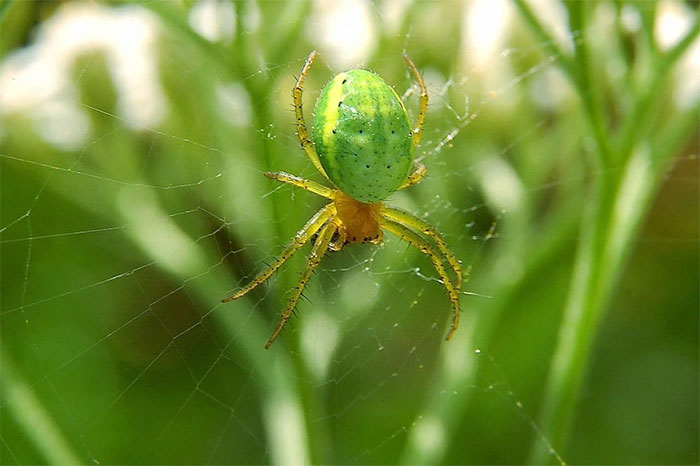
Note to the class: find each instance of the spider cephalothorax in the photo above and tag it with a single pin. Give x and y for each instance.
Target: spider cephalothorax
(363, 144)
(359, 222)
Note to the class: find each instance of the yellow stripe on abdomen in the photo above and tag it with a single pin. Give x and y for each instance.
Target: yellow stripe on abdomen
(331, 112)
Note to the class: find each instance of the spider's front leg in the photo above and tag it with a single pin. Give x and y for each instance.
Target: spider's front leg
(302, 132)
(308, 185)
(418, 131)
(317, 253)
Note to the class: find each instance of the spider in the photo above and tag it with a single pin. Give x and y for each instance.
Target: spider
(363, 144)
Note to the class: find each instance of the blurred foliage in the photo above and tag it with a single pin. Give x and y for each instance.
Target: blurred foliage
(576, 218)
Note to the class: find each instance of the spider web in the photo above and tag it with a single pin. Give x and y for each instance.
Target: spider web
(127, 214)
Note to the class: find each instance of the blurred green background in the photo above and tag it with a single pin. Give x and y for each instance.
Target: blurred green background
(562, 151)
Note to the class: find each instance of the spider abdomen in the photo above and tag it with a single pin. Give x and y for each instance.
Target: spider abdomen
(362, 135)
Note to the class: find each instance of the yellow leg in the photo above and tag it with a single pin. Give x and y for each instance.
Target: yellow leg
(319, 249)
(303, 134)
(426, 248)
(411, 221)
(418, 131)
(416, 175)
(308, 185)
(304, 235)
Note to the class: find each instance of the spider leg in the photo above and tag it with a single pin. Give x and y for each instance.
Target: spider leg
(302, 236)
(416, 175)
(411, 221)
(319, 249)
(418, 131)
(303, 134)
(426, 248)
(308, 185)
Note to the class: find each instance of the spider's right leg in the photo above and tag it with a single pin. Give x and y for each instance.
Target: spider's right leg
(304, 235)
(308, 185)
(416, 175)
(303, 134)
(319, 249)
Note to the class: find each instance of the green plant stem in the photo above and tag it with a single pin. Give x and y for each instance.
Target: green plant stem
(641, 114)
(564, 60)
(576, 69)
(609, 226)
(588, 91)
(20, 400)
(649, 26)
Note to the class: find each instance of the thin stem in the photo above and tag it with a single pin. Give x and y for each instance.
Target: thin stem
(547, 40)
(577, 328)
(640, 113)
(648, 14)
(589, 93)
(576, 70)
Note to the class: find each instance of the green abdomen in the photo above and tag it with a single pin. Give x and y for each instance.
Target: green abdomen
(362, 136)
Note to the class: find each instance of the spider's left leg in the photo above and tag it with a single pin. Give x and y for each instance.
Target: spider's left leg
(416, 175)
(418, 131)
(426, 248)
(300, 239)
(411, 221)
(319, 249)
(302, 183)
(303, 134)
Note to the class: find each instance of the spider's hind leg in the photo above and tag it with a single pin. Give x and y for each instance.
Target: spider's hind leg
(411, 221)
(302, 132)
(425, 247)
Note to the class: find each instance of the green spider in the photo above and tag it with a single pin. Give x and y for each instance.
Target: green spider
(361, 142)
